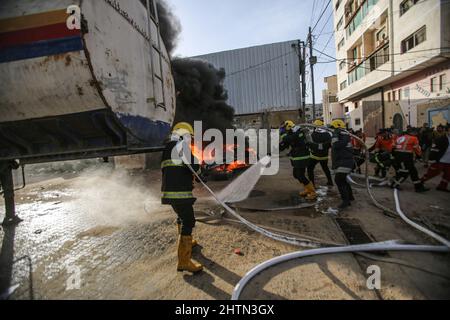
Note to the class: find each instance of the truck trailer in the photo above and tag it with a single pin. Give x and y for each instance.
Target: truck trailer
(80, 79)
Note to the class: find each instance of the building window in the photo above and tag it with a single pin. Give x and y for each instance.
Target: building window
(340, 23)
(355, 54)
(343, 85)
(341, 44)
(406, 5)
(399, 94)
(389, 97)
(379, 58)
(332, 99)
(394, 95)
(346, 109)
(434, 84)
(442, 81)
(342, 65)
(415, 39)
(357, 17)
(357, 121)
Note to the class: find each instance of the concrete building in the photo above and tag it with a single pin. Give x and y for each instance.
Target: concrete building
(331, 108)
(393, 62)
(309, 112)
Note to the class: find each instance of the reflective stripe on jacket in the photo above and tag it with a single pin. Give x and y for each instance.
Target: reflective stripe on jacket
(320, 144)
(342, 150)
(177, 178)
(297, 142)
(408, 143)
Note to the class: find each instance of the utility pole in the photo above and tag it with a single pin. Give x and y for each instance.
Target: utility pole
(303, 52)
(312, 62)
(302, 68)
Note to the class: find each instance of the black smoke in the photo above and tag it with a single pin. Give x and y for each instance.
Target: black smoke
(201, 95)
(169, 24)
(200, 92)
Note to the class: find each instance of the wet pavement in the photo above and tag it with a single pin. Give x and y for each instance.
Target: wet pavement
(102, 234)
(72, 225)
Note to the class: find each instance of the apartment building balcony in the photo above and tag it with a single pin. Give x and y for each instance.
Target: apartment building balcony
(372, 62)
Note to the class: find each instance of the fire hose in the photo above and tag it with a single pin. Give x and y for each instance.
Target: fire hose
(275, 236)
(382, 246)
(373, 247)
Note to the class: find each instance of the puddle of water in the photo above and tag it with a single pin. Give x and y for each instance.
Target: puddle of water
(331, 211)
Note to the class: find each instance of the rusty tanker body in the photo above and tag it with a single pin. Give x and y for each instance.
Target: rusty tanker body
(100, 87)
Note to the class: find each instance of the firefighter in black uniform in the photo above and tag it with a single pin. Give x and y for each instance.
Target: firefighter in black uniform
(177, 186)
(320, 148)
(7, 186)
(343, 162)
(295, 138)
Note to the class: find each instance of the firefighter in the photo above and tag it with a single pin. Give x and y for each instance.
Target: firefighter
(296, 139)
(383, 152)
(7, 186)
(343, 161)
(320, 147)
(440, 156)
(406, 149)
(177, 186)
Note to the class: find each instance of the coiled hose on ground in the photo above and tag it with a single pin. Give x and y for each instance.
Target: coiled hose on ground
(382, 246)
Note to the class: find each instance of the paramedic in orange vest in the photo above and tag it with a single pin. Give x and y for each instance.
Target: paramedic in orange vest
(406, 149)
(383, 152)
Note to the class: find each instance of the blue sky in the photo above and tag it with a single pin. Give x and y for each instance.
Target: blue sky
(218, 25)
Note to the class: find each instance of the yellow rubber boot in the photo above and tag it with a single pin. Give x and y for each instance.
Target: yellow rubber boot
(185, 254)
(304, 193)
(312, 195)
(194, 242)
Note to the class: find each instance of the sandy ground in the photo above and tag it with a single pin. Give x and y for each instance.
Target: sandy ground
(107, 229)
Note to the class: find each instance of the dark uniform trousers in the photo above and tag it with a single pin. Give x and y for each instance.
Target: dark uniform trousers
(312, 166)
(343, 162)
(186, 217)
(7, 184)
(300, 175)
(345, 189)
(404, 167)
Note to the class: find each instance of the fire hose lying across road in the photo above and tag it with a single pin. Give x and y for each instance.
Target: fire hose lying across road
(373, 247)
(279, 237)
(381, 246)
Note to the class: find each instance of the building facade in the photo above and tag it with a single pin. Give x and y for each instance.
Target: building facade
(309, 111)
(261, 78)
(393, 62)
(331, 108)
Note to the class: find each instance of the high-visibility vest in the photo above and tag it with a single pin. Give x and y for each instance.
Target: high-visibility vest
(384, 144)
(408, 143)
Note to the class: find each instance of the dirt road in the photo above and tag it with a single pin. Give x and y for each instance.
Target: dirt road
(107, 229)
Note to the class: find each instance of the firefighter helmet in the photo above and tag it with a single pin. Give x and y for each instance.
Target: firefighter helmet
(319, 123)
(289, 125)
(338, 124)
(183, 128)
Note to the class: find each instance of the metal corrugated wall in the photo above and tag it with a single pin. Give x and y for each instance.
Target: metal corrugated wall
(260, 78)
